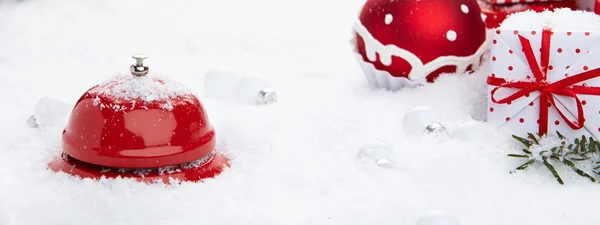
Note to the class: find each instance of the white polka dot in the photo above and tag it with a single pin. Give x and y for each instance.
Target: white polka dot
(388, 18)
(451, 35)
(464, 8)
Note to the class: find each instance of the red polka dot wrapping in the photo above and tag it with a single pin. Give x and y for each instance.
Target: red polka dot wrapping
(555, 89)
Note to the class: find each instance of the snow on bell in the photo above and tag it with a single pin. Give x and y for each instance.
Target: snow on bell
(141, 127)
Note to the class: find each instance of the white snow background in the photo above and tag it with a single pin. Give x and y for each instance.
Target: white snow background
(293, 162)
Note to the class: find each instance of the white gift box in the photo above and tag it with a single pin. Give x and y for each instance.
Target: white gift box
(570, 82)
(589, 5)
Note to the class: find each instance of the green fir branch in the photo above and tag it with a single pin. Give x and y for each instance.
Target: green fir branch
(568, 153)
(560, 135)
(583, 145)
(553, 171)
(580, 159)
(592, 146)
(523, 141)
(577, 170)
(577, 144)
(533, 138)
(527, 164)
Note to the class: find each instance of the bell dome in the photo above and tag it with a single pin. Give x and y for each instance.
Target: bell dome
(139, 122)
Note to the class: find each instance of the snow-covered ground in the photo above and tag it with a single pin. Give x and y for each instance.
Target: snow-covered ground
(293, 162)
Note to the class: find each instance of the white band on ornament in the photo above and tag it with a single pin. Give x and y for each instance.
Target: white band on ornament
(419, 70)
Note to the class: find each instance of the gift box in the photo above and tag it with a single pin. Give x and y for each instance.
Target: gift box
(589, 5)
(545, 74)
(501, 2)
(493, 15)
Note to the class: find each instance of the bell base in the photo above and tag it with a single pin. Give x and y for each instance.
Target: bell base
(198, 170)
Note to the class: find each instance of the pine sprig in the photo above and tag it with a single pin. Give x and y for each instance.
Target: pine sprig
(567, 153)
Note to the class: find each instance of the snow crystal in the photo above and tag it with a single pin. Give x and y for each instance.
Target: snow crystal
(560, 19)
(51, 111)
(146, 89)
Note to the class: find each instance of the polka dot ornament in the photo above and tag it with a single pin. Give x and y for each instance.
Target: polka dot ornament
(431, 46)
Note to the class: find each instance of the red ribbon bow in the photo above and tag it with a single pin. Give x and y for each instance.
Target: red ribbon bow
(564, 87)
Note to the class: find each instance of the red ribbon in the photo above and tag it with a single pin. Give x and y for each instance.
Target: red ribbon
(597, 6)
(565, 87)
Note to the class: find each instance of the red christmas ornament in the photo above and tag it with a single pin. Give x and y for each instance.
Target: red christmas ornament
(140, 127)
(408, 42)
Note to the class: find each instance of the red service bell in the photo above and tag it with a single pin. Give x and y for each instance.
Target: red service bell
(139, 127)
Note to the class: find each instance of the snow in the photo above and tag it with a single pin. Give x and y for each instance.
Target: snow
(220, 83)
(438, 218)
(476, 132)
(545, 144)
(293, 162)
(560, 19)
(147, 89)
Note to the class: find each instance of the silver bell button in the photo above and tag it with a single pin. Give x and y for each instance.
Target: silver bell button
(139, 69)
